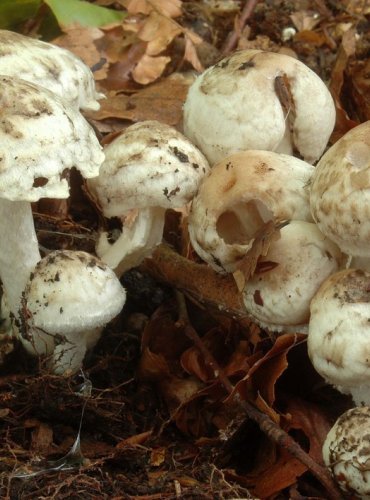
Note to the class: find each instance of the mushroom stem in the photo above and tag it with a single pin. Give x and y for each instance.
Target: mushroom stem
(19, 251)
(136, 241)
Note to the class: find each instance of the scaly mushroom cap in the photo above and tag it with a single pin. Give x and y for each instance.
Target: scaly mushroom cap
(50, 66)
(69, 293)
(278, 295)
(346, 451)
(339, 333)
(240, 194)
(149, 164)
(340, 192)
(40, 138)
(259, 100)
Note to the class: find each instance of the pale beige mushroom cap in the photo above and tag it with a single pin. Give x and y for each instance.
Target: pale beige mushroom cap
(346, 451)
(50, 66)
(259, 100)
(150, 164)
(241, 194)
(278, 295)
(339, 333)
(340, 192)
(41, 137)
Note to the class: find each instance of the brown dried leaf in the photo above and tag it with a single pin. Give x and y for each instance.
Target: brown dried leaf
(42, 438)
(149, 69)
(190, 53)
(158, 31)
(157, 456)
(305, 20)
(161, 101)
(169, 8)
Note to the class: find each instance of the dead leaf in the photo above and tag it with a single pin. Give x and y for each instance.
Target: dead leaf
(157, 456)
(137, 439)
(158, 31)
(169, 8)
(149, 68)
(42, 438)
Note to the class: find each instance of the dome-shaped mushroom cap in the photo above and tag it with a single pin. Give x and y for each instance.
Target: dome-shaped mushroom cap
(40, 138)
(149, 164)
(50, 66)
(71, 292)
(346, 451)
(239, 195)
(340, 192)
(278, 295)
(339, 332)
(259, 100)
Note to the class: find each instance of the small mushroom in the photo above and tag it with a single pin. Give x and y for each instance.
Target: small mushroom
(278, 295)
(50, 66)
(346, 452)
(340, 192)
(339, 333)
(241, 194)
(148, 168)
(69, 297)
(41, 137)
(259, 100)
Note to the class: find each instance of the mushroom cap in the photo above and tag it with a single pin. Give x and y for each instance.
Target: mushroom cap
(240, 194)
(50, 66)
(278, 295)
(149, 164)
(339, 332)
(340, 192)
(346, 451)
(259, 100)
(40, 137)
(69, 293)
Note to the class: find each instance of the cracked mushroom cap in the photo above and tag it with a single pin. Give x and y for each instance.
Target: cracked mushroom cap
(241, 194)
(149, 164)
(69, 296)
(339, 333)
(340, 192)
(41, 137)
(346, 452)
(278, 295)
(259, 100)
(50, 66)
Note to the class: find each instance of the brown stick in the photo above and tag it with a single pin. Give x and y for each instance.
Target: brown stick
(273, 431)
(232, 40)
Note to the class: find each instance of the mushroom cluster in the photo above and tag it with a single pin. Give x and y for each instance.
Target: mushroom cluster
(42, 136)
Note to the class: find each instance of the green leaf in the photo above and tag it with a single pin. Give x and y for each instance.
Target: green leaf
(13, 12)
(69, 12)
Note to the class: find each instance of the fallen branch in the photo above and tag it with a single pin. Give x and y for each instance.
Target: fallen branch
(232, 40)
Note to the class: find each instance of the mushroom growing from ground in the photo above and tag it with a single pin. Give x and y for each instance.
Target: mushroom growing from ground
(278, 295)
(339, 333)
(41, 137)
(69, 297)
(259, 100)
(340, 192)
(148, 168)
(50, 66)
(346, 451)
(239, 196)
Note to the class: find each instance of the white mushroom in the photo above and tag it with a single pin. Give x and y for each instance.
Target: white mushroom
(69, 297)
(50, 66)
(40, 138)
(346, 451)
(278, 295)
(241, 194)
(148, 168)
(340, 192)
(259, 100)
(339, 333)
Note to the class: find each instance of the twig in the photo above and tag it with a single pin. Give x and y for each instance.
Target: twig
(232, 40)
(273, 431)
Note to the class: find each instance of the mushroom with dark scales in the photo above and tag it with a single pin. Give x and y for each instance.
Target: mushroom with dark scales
(69, 297)
(50, 66)
(259, 100)
(41, 137)
(346, 452)
(339, 333)
(148, 168)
